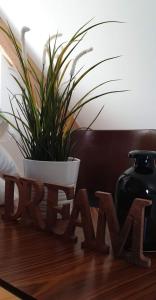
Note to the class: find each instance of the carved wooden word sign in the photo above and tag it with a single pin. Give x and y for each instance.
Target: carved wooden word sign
(31, 193)
(118, 236)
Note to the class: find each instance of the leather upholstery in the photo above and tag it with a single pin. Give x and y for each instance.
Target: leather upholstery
(104, 155)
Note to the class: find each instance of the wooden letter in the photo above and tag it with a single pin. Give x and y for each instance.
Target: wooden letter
(10, 182)
(53, 208)
(31, 196)
(81, 206)
(134, 220)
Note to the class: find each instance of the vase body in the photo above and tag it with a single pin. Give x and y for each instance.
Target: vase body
(139, 181)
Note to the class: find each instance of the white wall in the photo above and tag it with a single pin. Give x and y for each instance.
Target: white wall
(135, 40)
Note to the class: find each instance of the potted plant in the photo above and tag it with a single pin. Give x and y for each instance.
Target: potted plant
(43, 116)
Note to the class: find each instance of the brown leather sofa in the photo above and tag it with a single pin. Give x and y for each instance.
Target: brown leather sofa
(104, 156)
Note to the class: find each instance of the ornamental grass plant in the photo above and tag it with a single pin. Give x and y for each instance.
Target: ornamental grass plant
(43, 115)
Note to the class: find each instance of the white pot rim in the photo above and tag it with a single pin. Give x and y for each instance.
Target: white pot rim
(70, 159)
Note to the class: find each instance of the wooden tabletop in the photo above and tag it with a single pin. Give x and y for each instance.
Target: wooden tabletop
(49, 269)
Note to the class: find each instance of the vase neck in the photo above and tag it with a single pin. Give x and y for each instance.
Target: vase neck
(144, 164)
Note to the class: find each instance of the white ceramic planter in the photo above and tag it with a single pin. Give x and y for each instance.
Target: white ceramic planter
(57, 172)
(61, 173)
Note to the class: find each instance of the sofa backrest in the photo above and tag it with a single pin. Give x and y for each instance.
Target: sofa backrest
(104, 155)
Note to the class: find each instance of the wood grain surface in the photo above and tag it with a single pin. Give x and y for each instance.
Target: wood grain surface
(49, 269)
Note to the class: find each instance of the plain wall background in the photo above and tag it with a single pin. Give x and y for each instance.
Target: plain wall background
(135, 40)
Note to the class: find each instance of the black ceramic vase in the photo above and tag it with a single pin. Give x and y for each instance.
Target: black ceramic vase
(139, 181)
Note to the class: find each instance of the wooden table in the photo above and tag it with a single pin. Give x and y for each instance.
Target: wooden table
(49, 269)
